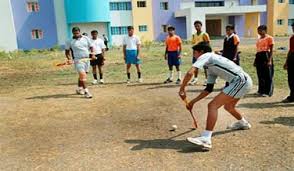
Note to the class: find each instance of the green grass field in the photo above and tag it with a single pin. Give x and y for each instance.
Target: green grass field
(35, 67)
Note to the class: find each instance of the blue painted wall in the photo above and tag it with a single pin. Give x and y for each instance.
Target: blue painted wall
(81, 11)
(167, 17)
(25, 22)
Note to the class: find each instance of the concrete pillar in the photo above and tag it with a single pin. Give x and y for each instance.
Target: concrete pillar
(191, 18)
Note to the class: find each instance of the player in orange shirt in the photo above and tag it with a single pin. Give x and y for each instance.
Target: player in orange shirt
(173, 54)
(264, 62)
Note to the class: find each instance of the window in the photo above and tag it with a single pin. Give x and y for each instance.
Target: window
(291, 1)
(143, 28)
(164, 5)
(280, 22)
(281, 1)
(119, 30)
(164, 28)
(290, 22)
(33, 6)
(209, 4)
(120, 6)
(37, 34)
(141, 4)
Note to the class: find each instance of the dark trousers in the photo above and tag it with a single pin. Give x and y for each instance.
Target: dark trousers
(290, 70)
(265, 74)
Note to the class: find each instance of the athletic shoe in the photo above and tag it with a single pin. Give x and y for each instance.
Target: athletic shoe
(205, 83)
(80, 91)
(101, 81)
(194, 81)
(178, 81)
(201, 141)
(94, 82)
(140, 80)
(240, 125)
(168, 81)
(128, 81)
(287, 100)
(88, 95)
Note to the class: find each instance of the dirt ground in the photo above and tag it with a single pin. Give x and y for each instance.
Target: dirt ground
(127, 128)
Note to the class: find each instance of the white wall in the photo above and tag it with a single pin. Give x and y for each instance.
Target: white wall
(291, 16)
(60, 21)
(118, 19)
(88, 27)
(8, 40)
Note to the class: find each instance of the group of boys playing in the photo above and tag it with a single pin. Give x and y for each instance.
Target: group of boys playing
(223, 64)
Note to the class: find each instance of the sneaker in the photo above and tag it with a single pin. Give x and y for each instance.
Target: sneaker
(201, 141)
(178, 81)
(239, 125)
(101, 81)
(168, 81)
(205, 83)
(80, 91)
(140, 80)
(94, 82)
(88, 95)
(128, 81)
(287, 100)
(194, 81)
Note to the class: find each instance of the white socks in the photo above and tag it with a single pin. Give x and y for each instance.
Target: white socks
(207, 134)
(171, 75)
(179, 74)
(243, 120)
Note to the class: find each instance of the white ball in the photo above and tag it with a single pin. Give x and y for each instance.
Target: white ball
(174, 127)
(185, 53)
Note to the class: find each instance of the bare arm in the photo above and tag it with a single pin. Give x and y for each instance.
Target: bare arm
(138, 50)
(67, 54)
(124, 51)
(180, 50)
(271, 55)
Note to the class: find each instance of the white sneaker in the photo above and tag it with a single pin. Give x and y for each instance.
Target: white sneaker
(88, 95)
(101, 81)
(239, 125)
(140, 80)
(194, 81)
(128, 81)
(201, 141)
(205, 83)
(94, 82)
(80, 91)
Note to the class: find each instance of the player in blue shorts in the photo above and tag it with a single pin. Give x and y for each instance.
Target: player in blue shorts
(173, 54)
(240, 84)
(131, 51)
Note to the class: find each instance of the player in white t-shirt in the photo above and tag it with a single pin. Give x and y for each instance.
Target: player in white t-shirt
(131, 51)
(77, 49)
(240, 84)
(99, 50)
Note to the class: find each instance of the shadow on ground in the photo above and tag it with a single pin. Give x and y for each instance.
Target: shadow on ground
(182, 146)
(266, 105)
(287, 121)
(55, 96)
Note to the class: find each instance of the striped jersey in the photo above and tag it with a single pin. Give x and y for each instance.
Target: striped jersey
(218, 66)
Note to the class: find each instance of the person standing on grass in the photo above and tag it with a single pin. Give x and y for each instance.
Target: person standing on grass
(99, 49)
(289, 66)
(199, 36)
(105, 38)
(173, 54)
(240, 84)
(131, 51)
(230, 46)
(77, 49)
(264, 62)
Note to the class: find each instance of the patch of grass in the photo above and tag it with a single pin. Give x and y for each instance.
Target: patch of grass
(19, 69)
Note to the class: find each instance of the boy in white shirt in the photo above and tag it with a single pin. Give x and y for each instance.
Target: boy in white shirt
(99, 49)
(131, 51)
